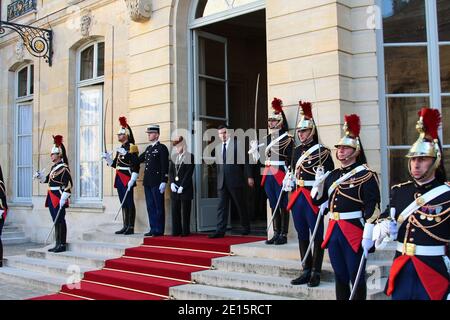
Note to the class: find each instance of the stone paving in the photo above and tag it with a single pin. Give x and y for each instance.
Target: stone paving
(10, 290)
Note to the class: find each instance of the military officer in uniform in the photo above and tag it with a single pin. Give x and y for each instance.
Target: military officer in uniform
(309, 157)
(278, 152)
(126, 163)
(3, 212)
(59, 191)
(180, 172)
(156, 173)
(419, 213)
(352, 193)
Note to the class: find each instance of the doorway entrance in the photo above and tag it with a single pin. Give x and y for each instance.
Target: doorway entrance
(227, 57)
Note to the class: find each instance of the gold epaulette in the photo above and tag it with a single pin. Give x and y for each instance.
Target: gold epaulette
(134, 148)
(401, 184)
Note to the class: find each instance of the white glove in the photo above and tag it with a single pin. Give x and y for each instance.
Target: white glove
(173, 187)
(107, 156)
(180, 190)
(63, 199)
(319, 182)
(1, 214)
(162, 187)
(393, 230)
(40, 176)
(380, 232)
(288, 182)
(121, 151)
(254, 152)
(134, 176)
(367, 242)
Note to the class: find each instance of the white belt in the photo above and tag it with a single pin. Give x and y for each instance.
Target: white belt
(55, 188)
(411, 249)
(124, 168)
(345, 215)
(275, 163)
(305, 183)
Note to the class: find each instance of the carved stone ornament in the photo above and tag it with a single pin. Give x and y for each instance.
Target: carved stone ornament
(139, 10)
(19, 50)
(85, 24)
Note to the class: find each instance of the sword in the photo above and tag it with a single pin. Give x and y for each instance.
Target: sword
(120, 208)
(317, 127)
(316, 227)
(39, 147)
(104, 126)
(276, 209)
(358, 275)
(256, 106)
(54, 223)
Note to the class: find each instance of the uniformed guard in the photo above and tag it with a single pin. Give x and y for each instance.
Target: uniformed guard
(3, 212)
(59, 191)
(310, 157)
(278, 152)
(156, 158)
(353, 195)
(419, 210)
(126, 163)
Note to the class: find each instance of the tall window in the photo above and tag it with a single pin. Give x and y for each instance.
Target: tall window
(89, 119)
(416, 40)
(23, 133)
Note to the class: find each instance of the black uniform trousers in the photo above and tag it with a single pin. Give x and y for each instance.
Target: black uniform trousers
(181, 216)
(227, 194)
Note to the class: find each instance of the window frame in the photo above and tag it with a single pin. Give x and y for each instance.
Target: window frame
(80, 84)
(22, 101)
(434, 78)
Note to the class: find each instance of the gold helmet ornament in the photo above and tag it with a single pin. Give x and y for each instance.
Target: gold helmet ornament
(352, 129)
(306, 118)
(427, 145)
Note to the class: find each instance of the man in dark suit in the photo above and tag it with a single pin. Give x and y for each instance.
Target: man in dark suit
(231, 181)
(156, 173)
(180, 172)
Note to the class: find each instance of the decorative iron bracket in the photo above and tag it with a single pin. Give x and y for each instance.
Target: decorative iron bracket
(39, 42)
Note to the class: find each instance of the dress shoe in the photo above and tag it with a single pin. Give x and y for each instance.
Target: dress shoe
(60, 248)
(281, 240)
(274, 238)
(315, 280)
(148, 234)
(53, 249)
(216, 235)
(303, 279)
(129, 231)
(121, 231)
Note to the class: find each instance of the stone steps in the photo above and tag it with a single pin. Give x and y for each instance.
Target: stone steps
(38, 280)
(103, 237)
(203, 292)
(13, 235)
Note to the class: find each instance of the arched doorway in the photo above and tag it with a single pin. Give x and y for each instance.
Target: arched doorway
(227, 52)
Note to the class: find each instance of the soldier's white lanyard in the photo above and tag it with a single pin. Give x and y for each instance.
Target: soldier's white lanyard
(345, 177)
(275, 141)
(307, 154)
(421, 201)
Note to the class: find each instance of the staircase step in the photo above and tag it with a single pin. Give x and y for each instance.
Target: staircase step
(202, 292)
(15, 240)
(287, 251)
(130, 240)
(56, 268)
(58, 296)
(170, 270)
(13, 234)
(99, 248)
(134, 281)
(77, 258)
(174, 255)
(104, 292)
(46, 283)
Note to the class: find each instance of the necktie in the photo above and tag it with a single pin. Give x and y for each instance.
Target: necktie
(224, 153)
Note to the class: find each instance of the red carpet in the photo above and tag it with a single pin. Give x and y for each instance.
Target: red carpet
(148, 272)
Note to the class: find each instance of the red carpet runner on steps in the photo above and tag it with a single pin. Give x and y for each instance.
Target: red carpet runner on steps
(148, 271)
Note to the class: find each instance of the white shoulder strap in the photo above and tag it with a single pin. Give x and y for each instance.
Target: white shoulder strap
(345, 178)
(272, 143)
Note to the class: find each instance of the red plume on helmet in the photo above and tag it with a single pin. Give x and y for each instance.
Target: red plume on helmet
(353, 124)
(431, 121)
(307, 109)
(277, 105)
(58, 140)
(123, 122)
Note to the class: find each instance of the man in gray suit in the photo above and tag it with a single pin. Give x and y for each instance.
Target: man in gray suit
(231, 181)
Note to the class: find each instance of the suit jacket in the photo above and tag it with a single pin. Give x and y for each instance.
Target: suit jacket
(184, 174)
(156, 160)
(232, 173)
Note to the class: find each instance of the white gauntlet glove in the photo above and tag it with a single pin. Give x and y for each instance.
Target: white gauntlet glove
(288, 182)
(180, 190)
(317, 189)
(40, 176)
(173, 187)
(107, 156)
(254, 152)
(380, 232)
(63, 199)
(133, 180)
(162, 187)
(367, 242)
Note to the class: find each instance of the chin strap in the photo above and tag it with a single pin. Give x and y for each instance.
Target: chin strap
(427, 173)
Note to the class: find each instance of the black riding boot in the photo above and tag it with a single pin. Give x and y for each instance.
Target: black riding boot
(131, 216)
(276, 228)
(361, 290)
(282, 239)
(306, 274)
(57, 238)
(317, 264)
(62, 237)
(342, 291)
(1, 253)
(124, 217)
